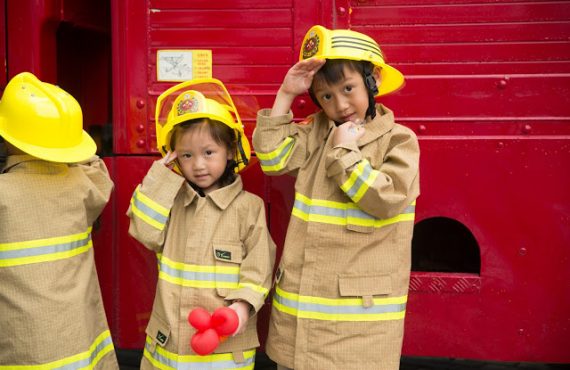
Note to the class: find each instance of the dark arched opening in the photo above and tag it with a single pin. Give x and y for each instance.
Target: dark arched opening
(442, 244)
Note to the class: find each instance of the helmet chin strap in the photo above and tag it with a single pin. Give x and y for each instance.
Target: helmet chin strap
(241, 150)
(372, 88)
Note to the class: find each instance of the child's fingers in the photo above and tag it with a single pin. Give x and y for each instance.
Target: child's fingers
(169, 159)
(311, 65)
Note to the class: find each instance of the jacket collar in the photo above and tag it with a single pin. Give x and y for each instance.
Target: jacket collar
(27, 163)
(379, 126)
(221, 197)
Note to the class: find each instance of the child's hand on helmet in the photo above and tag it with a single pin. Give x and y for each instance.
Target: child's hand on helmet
(300, 77)
(169, 160)
(348, 132)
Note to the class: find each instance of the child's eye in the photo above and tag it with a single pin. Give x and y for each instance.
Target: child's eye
(186, 155)
(209, 152)
(348, 88)
(327, 97)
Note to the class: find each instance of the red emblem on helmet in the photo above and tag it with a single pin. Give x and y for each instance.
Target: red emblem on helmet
(187, 105)
(311, 46)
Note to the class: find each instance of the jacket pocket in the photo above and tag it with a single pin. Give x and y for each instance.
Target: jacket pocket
(228, 257)
(359, 228)
(365, 286)
(158, 331)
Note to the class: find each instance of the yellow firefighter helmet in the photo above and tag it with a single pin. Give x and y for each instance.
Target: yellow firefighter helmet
(194, 99)
(44, 121)
(346, 44)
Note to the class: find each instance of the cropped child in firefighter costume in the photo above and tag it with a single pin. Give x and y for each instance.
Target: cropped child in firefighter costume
(342, 282)
(210, 236)
(52, 189)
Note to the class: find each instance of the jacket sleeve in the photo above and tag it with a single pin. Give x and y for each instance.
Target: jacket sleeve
(99, 188)
(280, 145)
(150, 206)
(256, 269)
(384, 192)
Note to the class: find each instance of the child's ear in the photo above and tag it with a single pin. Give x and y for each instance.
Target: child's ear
(377, 74)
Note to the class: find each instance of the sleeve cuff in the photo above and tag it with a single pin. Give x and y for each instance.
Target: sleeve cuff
(341, 158)
(162, 184)
(254, 299)
(264, 118)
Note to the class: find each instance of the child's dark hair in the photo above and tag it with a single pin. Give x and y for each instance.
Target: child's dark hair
(221, 133)
(333, 71)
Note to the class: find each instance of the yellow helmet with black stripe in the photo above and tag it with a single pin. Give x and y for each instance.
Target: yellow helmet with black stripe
(323, 43)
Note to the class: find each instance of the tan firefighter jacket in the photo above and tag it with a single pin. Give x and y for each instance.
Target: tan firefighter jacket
(342, 282)
(211, 251)
(51, 311)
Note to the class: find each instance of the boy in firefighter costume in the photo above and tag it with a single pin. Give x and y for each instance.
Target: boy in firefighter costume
(52, 189)
(342, 282)
(210, 236)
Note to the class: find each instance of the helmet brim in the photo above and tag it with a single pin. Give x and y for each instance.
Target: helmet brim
(78, 153)
(392, 80)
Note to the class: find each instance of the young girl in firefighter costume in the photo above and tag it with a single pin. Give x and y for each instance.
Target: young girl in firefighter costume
(342, 282)
(210, 236)
(52, 189)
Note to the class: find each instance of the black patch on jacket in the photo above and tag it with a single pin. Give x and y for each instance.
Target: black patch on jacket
(223, 255)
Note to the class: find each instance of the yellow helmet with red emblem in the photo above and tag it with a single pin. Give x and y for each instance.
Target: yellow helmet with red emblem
(194, 99)
(323, 43)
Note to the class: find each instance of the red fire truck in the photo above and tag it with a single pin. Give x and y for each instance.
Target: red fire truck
(487, 93)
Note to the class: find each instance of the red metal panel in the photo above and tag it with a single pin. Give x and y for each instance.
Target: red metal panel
(480, 52)
(201, 38)
(516, 204)
(483, 96)
(221, 4)
(470, 32)
(461, 13)
(129, 35)
(31, 39)
(440, 2)
(471, 68)
(3, 77)
(209, 19)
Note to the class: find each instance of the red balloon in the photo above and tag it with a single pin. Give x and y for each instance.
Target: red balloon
(204, 343)
(199, 318)
(225, 321)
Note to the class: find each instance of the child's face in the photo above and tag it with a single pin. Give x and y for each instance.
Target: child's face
(345, 100)
(201, 159)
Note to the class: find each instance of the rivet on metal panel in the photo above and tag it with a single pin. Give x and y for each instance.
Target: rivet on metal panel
(527, 129)
(140, 128)
(140, 104)
(502, 84)
(522, 251)
(422, 129)
(341, 11)
(301, 104)
(521, 331)
(500, 145)
(141, 143)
